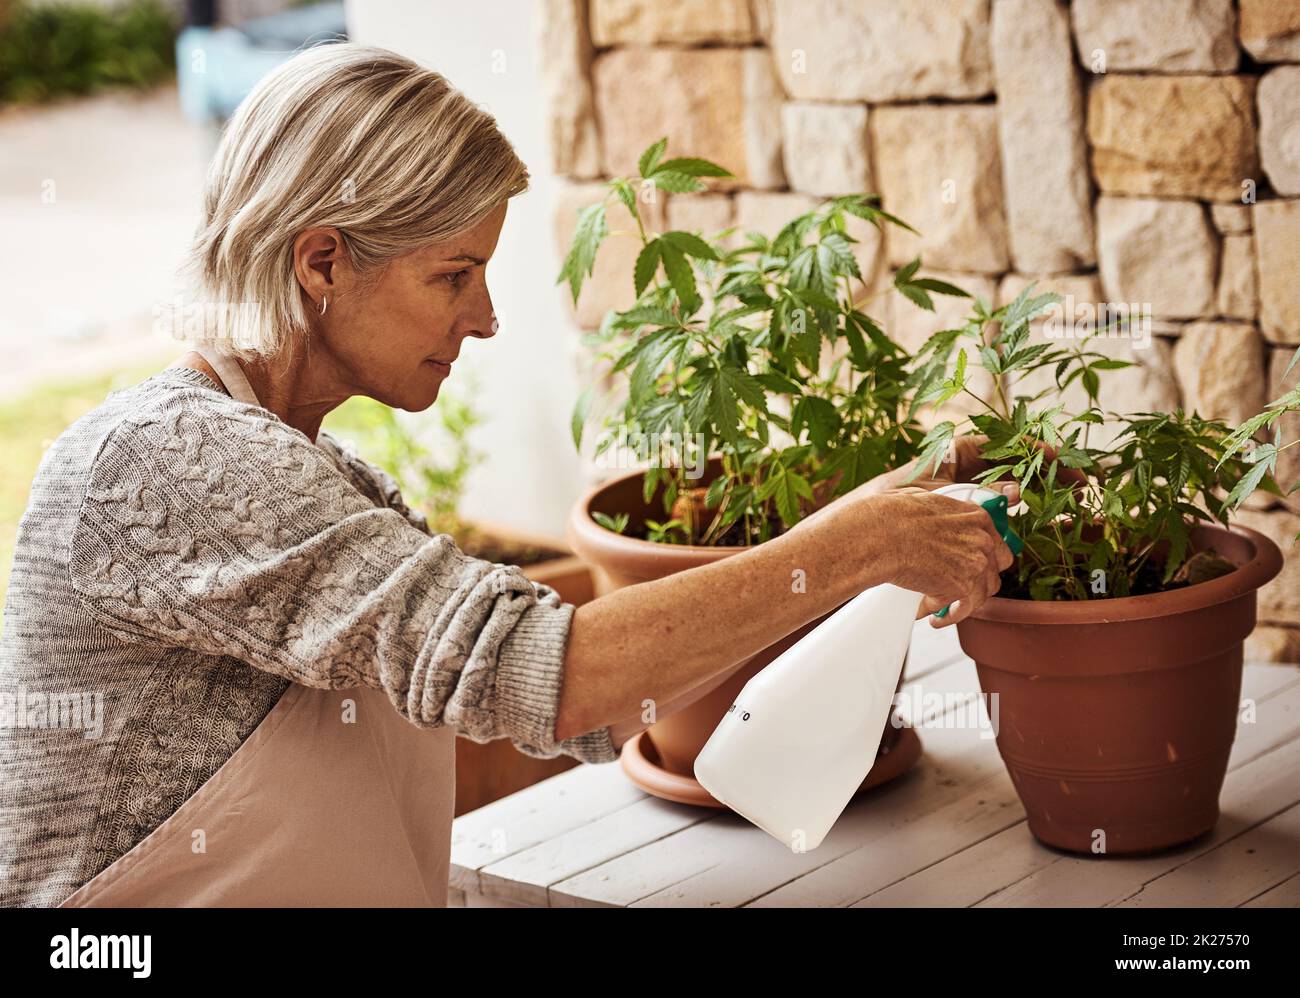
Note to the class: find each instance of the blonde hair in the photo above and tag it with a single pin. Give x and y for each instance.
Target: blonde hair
(344, 136)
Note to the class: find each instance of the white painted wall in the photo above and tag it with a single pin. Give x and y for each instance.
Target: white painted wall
(487, 49)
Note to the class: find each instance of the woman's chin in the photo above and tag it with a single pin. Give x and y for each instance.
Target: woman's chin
(424, 389)
(416, 394)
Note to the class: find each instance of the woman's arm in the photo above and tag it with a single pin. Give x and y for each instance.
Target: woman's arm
(661, 640)
(213, 528)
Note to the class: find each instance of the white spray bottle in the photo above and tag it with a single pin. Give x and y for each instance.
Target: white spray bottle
(801, 737)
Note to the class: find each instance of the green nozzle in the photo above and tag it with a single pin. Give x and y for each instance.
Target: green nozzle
(997, 509)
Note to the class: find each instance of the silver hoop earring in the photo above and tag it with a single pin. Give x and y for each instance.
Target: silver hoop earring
(324, 304)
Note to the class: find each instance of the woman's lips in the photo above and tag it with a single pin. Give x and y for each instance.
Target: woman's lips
(442, 365)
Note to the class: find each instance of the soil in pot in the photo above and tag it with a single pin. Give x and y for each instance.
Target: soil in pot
(624, 560)
(1115, 717)
(504, 546)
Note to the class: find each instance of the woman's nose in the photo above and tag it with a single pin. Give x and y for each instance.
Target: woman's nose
(483, 325)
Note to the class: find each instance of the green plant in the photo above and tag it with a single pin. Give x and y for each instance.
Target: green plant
(31, 419)
(430, 467)
(674, 531)
(724, 354)
(1098, 522)
(615, 523)
(52, 50)
(1262, 456)
(758, 355)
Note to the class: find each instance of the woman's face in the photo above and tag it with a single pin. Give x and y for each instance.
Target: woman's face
(393, 336)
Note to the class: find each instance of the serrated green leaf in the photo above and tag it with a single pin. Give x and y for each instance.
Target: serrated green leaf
(941, 287)
(676, 183)
(693, 166)
(1243, 489)
(690, 244)
(905, 273)
(581, 409)
(650, 158)
(647, 262)
(681, 275)
(917, 295)
(588, 234)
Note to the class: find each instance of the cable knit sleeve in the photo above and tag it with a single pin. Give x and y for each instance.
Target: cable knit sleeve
(230, 533)
(388, 493)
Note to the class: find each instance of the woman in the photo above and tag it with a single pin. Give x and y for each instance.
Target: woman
(282, 652)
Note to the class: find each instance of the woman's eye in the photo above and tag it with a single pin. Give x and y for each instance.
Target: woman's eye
(456, 277)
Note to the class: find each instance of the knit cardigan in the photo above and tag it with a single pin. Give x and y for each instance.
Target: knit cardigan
(184, 557)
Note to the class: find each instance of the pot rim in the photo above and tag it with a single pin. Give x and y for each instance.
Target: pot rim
(1263, 567)
(588, 537)
(596, 543)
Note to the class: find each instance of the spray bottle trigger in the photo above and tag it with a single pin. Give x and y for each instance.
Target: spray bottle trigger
(997, 509)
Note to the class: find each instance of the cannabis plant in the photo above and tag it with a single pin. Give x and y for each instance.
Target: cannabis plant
(1263, 456)
(755, 352)
(1098, 521)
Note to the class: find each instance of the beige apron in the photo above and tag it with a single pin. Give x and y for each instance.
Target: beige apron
(334, 800)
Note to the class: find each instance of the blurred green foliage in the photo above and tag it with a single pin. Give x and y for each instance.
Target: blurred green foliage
(431, 467)
(64, 49)
(430, 462)
(29, 423)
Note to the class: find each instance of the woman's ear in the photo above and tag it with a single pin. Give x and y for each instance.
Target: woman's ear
(319, 262)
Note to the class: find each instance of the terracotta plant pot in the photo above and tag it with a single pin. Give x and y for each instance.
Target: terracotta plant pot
(1115, 717)
(621, 561)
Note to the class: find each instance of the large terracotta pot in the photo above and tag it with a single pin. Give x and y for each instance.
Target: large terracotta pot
(621, 561)
(1115, 717)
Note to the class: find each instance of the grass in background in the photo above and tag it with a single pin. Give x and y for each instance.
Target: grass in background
(431, 468)
(29, 423)
(54, 50)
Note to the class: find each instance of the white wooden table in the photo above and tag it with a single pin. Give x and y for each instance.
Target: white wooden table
(949, 833)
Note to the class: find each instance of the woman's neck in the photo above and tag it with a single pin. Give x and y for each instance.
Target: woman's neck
(298, 387)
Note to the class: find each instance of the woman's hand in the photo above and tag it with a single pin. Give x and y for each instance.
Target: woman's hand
(944, 548)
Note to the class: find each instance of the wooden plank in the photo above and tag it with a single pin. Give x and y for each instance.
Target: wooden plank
(952, 693)
(533, 815)
(1252, 793)
(1232, 874)
(931, 649)
(1260, 679)
(951, 829)
(974, 816)
(528, 875)
(968, 876)
(981, 871)
(591, 827)
(1276, 712)
(657, 864)
(774, 874)
(1284, 895)
(730, 862)
(547, 861)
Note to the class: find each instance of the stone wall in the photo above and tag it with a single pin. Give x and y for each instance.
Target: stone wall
(1139, 152)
